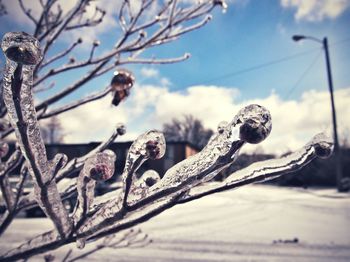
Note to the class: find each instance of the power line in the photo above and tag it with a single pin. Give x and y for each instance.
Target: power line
(266, 64)
(303, 75)
(256, 67)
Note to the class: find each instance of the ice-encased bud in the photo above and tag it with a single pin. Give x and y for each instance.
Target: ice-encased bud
(4, 125)
(323, 145)
(96, 43)
(21, 48)
(221, 3)
(4, 149)
(150, 144)
(150, 177)
(255, 123)
(121, 129)
(101, 165)
(122, 81)
(221, 126)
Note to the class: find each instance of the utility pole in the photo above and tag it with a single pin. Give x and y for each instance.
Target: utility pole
(337, 152)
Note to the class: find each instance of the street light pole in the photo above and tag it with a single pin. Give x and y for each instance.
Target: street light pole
(337, 153)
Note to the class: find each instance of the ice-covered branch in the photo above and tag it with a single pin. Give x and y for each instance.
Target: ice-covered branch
(28, 12)
(96, 19)
(67, 187)
(11, 211)
(131, 238)
(252, 124)
(99, 167)
(76, 103)
(130, 60)
(22, 54)
(320, 146)
(77, 163)
(62, 54)
(5, 186)
(150, 145)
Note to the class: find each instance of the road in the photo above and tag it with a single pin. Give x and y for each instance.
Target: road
(253, 223)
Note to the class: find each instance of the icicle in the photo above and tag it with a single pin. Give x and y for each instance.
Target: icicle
(99, 167)
(22, 54)
(252, 124)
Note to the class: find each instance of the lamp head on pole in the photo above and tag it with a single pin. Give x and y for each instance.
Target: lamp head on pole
(297, 38)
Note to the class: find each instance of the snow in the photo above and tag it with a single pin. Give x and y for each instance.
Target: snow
(237, 225)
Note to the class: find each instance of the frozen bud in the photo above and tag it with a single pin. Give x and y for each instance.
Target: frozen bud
(80, 40)
(323, 145)
(143, 34)
(4, 149)
(187, 55)
(121, 83)
(153, 150)
(122, 79)
(150, 177)
(96, 43)
(71, 60)
(150, 144)
(101, 165)
(21, 48)
(221, 126)
(155, 146)
(100, 172)
(4, 125)
(121, 129)
(255, 123)
(221, 3)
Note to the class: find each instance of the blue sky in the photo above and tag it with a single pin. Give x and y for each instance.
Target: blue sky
(233, 62)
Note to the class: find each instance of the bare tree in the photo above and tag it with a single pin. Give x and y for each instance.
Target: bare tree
(30, 68)
(187, 129)
(52, 131)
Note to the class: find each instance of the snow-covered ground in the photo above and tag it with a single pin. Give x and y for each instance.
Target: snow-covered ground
(239, 225)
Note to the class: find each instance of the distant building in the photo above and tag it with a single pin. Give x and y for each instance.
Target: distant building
(175, 152)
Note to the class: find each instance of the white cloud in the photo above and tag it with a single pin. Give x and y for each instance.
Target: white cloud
(294, 122)
(316, 10)
(149, 72)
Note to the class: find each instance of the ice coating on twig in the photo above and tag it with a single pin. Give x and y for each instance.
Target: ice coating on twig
(150, 145)
(22, 53)
(321, 146)
(251, 124)
(99, 167)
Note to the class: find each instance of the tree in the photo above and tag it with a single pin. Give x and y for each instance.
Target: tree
(187, 129)
(52, 131)
(30, 68)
